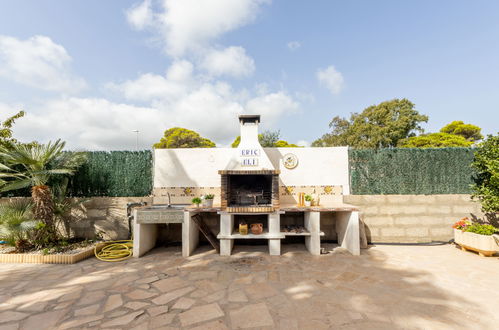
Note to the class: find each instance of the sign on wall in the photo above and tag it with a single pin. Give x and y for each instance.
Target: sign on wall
(249, 157)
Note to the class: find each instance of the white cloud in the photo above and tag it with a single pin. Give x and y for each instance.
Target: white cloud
(38, 62)
(272, 106)
(190, 25)
(231, 61)
(91, 124)
(303, 143)
(293, 45)
(140, 15)
(331, 79)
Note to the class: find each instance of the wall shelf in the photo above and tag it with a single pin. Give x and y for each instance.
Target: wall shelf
(304, 233)
(264, 235)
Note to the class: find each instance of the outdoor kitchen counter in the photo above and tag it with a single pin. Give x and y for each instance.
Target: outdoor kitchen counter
(320, 208)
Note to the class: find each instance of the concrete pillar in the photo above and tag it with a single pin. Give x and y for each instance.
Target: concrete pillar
(144, 237)
(226, 229)
(190, 234)
(347, 227)
(312, 221)
(274, 224)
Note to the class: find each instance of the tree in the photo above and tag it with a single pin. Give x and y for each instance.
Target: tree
(267, 139)
(486, 164)
(32, 166)
(468, 131)
(378, 126)
(6, 129)
(178, 137)
(435, 140)
(455, 134)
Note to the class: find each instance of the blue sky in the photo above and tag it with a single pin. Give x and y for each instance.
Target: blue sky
(90, 71)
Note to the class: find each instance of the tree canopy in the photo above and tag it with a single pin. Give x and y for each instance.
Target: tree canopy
(435, 140)
(268, 139)
(178, 137)
(6, 128)
(454, 134)
(486, 164)
(378, 126)
(468, 131)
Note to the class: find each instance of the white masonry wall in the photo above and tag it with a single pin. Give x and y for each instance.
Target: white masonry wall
(199, 167)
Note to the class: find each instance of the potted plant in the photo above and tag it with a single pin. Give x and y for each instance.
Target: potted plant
(476, 237)
(208, 200)
(308, 200)
(197, 201)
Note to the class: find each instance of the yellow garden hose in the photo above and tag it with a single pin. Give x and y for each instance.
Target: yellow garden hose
(114, 250)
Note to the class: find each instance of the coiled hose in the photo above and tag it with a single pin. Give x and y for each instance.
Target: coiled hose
(114, 250)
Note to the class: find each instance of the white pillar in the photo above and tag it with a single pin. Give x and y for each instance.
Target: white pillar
(226, 229)
(274, 224)
(144, 237)
(347, 228)
(190, 234)
(312, 224)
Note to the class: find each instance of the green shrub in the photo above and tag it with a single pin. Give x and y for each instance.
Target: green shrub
(486, 164)
(482, 229)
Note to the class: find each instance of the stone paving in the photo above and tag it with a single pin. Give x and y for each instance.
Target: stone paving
(387, 287)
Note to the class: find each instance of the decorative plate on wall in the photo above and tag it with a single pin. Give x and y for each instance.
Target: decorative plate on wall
(290, 161)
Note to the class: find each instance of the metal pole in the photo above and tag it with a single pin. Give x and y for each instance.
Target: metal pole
(137, 139)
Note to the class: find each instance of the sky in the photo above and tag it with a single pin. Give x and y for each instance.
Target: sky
(91, 72)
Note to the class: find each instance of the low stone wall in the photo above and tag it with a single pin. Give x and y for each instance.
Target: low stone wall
(412, 218)
(388, 218)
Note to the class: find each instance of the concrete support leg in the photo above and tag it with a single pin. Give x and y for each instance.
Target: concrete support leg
(274, 224)
(226, 228)
(226, 246)
(347, 227)
(144, 237)
(312, 224)
(190, 235)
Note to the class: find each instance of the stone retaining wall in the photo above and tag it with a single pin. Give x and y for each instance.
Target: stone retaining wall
(412, 218)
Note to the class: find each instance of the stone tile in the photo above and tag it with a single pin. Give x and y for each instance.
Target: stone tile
(202, 275)
(214, 297)
(113, 301)
(167, 297)
(74, 323)
(256, 315)
(154, 311)
(90, 310)
(43, 321)
(10, 326)
(237, 296)
(214, 325)
(140, 294)
(136, 305)
(12, 316)
(148, 280)
(161, 320)
(184, 303)
(91, 298)
(122, 320)
(260, 291)
(170, 284)
(200, 314)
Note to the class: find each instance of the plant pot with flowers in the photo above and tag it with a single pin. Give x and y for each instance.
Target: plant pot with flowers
(477, 237)
(208, 200)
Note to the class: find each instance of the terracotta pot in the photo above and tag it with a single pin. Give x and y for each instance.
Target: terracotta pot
(257, 228)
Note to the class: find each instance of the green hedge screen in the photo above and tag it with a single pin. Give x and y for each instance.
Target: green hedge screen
(411, 171)
(115, 173)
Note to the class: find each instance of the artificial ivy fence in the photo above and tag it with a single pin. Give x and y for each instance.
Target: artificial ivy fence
(411, 171)
(115, 174)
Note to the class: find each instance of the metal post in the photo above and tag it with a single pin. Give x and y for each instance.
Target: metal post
(137, 139)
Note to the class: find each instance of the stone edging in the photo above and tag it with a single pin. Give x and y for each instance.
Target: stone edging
(19, 258)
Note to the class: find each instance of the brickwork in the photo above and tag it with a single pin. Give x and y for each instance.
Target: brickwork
(412, 218)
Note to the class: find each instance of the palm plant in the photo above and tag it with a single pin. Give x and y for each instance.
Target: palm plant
(16, 221)
(33, 166)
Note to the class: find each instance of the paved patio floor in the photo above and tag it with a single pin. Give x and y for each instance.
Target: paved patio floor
(387, 287)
